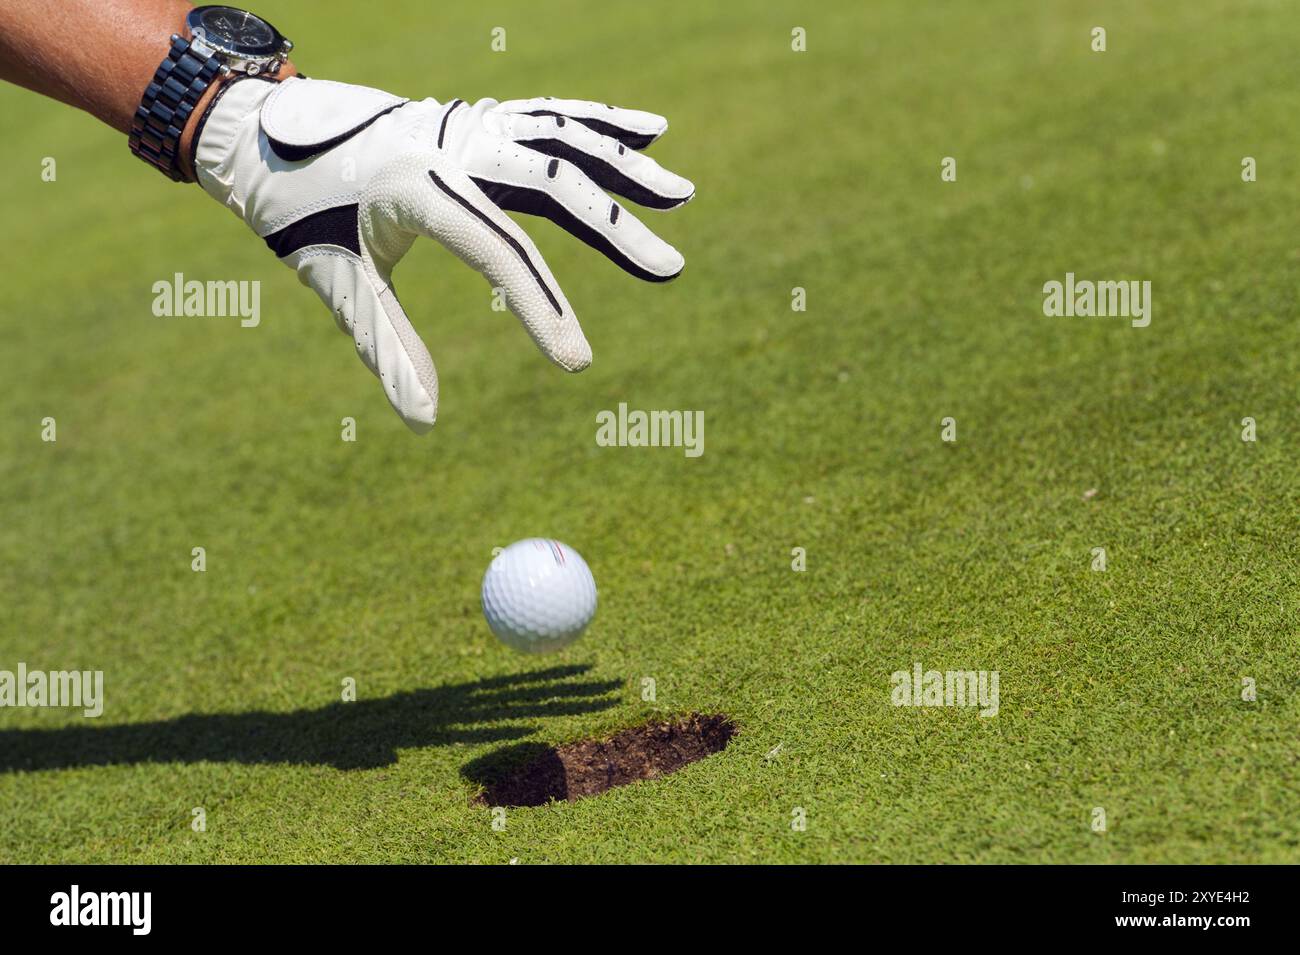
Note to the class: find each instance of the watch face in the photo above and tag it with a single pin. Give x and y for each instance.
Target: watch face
(234, 30)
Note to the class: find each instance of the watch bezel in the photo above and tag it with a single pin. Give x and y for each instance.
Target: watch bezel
(263, 53)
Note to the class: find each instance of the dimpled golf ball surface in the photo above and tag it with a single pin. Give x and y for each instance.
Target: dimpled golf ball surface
(538, 595)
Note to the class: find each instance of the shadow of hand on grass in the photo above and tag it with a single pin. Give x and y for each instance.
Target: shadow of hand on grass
(360, 735)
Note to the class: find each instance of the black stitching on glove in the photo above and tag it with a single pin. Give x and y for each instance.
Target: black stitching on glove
(509, 239)
(298, 153)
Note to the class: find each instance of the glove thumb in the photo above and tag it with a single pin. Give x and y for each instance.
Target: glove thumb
(365, 306)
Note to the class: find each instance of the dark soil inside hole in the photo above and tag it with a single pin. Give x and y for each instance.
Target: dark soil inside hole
(533, 775)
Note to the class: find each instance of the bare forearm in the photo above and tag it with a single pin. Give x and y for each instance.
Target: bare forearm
(97, 55)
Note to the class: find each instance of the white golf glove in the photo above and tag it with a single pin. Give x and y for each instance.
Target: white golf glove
(340, 179)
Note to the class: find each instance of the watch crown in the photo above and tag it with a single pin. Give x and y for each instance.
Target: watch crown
(288, 45)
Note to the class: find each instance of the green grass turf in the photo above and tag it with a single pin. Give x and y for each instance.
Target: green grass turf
(327, 560)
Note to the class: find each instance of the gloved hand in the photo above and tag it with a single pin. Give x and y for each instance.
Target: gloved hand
(339, 180)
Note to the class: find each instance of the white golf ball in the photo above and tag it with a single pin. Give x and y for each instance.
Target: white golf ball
(538, 595)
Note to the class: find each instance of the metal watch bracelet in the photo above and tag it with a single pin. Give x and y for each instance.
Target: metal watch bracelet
(169, 100)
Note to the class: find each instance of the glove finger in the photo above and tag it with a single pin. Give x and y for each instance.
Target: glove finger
(424, 193)
(609, 163)
(367, 309)
(634, 128)
(557, 190)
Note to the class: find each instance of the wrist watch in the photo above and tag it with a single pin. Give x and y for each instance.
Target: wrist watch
(222, 41)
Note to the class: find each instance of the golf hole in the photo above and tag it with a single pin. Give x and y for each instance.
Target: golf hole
(533, 775)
